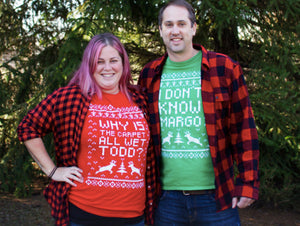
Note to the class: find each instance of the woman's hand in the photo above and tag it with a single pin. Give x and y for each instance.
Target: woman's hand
(39, 153)
(68, 174)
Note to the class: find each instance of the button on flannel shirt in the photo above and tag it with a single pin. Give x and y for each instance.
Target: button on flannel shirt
(229, 122)
(63, 113)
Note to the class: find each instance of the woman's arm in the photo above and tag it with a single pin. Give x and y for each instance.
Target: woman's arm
(39, 153)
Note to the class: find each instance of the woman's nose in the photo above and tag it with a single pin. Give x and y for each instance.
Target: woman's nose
(107, 66)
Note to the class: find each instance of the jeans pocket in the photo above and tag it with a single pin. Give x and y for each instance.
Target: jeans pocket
(212, 196)
(163, 195)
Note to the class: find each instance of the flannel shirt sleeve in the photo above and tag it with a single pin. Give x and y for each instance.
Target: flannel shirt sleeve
(244, 138)
(38, 121)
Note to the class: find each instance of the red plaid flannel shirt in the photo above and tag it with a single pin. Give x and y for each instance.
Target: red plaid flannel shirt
(63, 113)
(229, 123)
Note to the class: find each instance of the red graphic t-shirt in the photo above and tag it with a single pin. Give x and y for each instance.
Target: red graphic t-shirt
(112, 155)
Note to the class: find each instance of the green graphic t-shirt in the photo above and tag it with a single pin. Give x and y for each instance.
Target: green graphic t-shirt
(186, 158)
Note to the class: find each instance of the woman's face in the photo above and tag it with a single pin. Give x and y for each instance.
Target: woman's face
(109, 70)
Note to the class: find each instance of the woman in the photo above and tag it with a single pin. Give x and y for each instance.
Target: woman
(101, 142)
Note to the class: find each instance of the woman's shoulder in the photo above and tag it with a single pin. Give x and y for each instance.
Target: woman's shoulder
(67, 93)
(68, 90)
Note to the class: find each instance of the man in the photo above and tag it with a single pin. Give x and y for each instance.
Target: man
(201, 123)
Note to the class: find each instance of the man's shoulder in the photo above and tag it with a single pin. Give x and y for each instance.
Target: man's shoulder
(151, 70)
(219, 57)
(138, 95)
(135, 90)
(156, 63)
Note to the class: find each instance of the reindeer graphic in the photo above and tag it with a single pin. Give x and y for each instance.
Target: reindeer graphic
(192, 139)
(168, 138)
(134, 169)
(107, 168)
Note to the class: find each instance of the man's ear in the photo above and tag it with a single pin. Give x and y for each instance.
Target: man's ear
(160, 31)
(194, 28)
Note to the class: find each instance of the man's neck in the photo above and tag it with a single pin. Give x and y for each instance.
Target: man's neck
(179, 57)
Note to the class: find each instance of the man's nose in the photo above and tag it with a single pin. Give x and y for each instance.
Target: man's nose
(175, 30)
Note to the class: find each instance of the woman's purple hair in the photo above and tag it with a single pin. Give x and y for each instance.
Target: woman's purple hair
(84, 78)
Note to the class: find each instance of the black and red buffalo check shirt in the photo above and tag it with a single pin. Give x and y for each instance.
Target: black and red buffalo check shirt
(63, 113)
(229, 122)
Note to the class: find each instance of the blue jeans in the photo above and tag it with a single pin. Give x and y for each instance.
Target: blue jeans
(79, 217)
(138, 224)
(177, 209)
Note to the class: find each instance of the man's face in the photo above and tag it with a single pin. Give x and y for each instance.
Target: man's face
(176, 31)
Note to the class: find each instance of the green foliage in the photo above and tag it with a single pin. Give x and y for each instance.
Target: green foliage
(16, 170)
(43, 42)
(275, 97)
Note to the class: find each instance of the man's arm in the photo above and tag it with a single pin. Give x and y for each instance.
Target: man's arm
(244, 140)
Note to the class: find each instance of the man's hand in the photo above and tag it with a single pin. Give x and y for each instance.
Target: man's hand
(242, 202)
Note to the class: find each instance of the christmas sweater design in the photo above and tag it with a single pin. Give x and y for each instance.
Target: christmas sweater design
(182, 120)
(116, 147)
